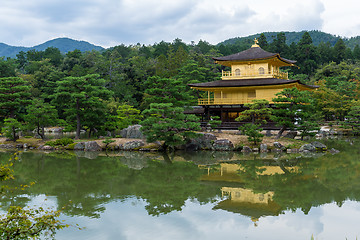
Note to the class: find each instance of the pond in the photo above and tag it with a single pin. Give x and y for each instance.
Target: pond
(196, 195)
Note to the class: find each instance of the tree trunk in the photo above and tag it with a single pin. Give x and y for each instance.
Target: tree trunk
(78, 121)
(283, 128)
(43, 132)
(14, 134)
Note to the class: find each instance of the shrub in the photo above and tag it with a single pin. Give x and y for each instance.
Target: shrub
(71, 146)
(60, 142)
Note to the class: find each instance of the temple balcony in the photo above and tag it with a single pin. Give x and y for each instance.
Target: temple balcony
(229, 75)
(224, 101)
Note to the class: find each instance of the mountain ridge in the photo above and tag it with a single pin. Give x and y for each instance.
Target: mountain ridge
(63, 44)
(317, 37)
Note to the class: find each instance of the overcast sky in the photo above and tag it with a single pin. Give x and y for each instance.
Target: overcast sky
(112, 22)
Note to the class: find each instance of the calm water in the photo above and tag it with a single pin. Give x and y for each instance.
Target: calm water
(203, 195)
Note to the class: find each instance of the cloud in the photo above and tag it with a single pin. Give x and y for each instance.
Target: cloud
(112, 22)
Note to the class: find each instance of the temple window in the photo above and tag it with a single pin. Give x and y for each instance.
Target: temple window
(252, 94)
(237, 72)
(261, 70)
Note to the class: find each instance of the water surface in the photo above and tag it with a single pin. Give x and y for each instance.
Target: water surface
(202, 195)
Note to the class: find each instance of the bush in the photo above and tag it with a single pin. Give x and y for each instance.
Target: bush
(252, 131)
(60, 142)
(71, 146)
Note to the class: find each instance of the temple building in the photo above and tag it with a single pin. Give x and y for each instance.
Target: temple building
(254, 74)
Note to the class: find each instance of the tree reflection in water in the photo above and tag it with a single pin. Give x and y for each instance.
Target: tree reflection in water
(252, 185)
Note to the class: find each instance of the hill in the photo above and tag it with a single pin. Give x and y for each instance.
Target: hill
(317, 37)
(63, 44)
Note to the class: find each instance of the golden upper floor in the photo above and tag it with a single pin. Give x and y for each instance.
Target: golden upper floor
(254, 63)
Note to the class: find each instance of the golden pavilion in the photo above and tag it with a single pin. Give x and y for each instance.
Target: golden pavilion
(254, 74)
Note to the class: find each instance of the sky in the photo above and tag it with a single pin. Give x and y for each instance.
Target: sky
(108, 23)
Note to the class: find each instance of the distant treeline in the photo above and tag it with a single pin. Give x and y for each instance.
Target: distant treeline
(129, 74)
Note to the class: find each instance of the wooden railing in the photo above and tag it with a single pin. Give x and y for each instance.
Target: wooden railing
(224, 101)
(228, 75)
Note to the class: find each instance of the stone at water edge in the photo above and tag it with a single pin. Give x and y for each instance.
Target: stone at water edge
(246, 149)
(92, 146)
(278, 146)
(223, 145)
(307, 148)
(79, 146)
(319, 146)
(204, 141)
(133, 145)
(263, 148)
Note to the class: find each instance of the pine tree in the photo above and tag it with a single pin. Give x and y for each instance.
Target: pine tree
(263, 41)
(339, 51)
(41, 115)
(14, 93)
(168, 123)
(293, 109)
(79, 97)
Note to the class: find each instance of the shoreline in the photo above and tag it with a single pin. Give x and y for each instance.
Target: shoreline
(214, 141)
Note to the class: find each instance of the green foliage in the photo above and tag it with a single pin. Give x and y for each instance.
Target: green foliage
(127, 115)
(166, 90)
(21, 224)
(7, 68)
(26, 223)
(140, 75)
(258, 113)
(40, 115)
(295, 108)
(353, 118)
(14, 93)
(214, 122)
(107, 141)
(11, 127)
(81, 99)
(253, 132)
(168, 123)
(60, 142)
(70, 146)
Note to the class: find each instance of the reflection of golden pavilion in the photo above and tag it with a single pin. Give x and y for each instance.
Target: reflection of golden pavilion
(242, 200)
(248, 203)
(230, 172)
(246, 195)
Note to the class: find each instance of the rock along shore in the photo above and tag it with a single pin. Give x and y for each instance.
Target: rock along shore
(230, 141)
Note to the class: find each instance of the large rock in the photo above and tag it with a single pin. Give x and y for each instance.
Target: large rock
(319, 146)
(6, 146)
(46, 148)
(263, 147)
(279, 146)
(204, 141)
(334, 151)
(223, 145)
(132, 145)
(92, 146)
(79, 146)
(246, 149)
(307, 148)
(132, 132)
(313, 147)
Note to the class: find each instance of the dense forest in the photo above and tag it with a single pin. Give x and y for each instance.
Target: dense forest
(96, 90)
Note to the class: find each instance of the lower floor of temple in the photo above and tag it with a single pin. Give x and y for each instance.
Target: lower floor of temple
(227, 114)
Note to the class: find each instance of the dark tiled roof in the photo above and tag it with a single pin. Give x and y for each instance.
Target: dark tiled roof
(247, 83)
(253, 53)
